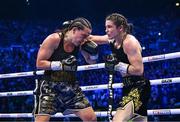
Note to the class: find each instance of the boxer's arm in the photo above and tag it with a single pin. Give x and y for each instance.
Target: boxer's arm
(46, 50)
(133, 50)
(99, 39)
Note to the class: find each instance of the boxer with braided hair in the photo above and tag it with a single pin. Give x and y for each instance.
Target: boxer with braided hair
(59, 90)
(127, 50)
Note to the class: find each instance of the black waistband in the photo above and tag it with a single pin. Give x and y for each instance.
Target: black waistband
(60, 76)
(49, 79)
(133, 80)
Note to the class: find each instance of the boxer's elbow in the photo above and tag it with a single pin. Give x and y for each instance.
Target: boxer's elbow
(139, 70)
(40, 65)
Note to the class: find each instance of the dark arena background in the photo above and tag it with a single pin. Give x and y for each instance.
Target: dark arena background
(24, 24)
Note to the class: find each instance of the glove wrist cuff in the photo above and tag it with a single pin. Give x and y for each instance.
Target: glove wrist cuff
(56, 65)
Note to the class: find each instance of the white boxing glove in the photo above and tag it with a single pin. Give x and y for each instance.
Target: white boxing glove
(56, 65)
(122, 68)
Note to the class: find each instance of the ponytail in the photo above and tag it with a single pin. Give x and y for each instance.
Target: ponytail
(130, 28)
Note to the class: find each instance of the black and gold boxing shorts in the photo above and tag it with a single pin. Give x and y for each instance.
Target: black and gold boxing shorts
(136, 89)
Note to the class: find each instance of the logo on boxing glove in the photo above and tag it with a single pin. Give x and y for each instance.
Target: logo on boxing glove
(69, 64)
(110, 62)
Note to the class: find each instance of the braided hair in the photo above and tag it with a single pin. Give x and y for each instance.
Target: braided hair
(80, 23)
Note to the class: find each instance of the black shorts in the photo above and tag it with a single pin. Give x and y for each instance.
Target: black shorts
(136, 89)
(64, 97)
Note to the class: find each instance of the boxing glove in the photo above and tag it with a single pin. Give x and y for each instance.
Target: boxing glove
(110, 62)
(91, 48)
(68, 64)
